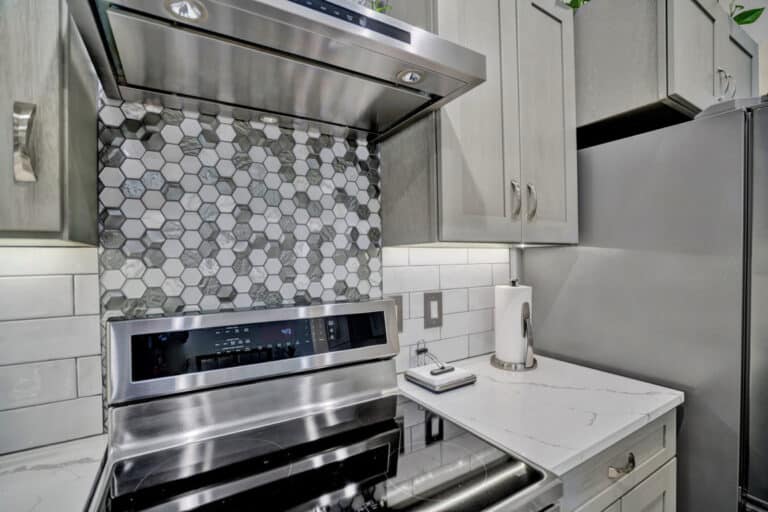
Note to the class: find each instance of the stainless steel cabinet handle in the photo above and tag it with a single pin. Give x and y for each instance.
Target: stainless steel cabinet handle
(533, 201)
(730, 89)
(615, 473)
(23, 165)
(516, 199)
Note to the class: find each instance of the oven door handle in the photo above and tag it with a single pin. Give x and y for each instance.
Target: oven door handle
(213, 493)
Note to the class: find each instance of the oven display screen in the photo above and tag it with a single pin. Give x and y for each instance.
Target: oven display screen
(164, 354)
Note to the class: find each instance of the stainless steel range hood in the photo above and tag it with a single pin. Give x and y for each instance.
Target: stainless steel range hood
(295, 62)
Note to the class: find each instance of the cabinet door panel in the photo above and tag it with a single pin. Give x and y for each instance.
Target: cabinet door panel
(693, 51)
(739, 57)
(510, 100)
(657, 493)
(473, 190)
(547, 121)
(30, 51)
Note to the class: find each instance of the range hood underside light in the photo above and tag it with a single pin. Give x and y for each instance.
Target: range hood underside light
(186, 10)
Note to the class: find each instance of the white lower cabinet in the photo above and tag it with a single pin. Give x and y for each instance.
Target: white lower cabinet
(657, 493)
(636, 474)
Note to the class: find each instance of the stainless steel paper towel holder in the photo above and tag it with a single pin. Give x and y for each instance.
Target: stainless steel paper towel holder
(527, 326)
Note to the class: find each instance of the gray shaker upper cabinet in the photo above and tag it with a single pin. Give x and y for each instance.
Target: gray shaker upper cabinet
(644, 65)
(739, 61)
(48, 134)
(459, 175)
(547, 119)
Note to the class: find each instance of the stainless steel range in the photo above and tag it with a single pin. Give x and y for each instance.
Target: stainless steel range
(289, 409)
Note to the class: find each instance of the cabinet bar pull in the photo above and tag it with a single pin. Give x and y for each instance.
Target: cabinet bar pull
(730, 84)
(533, 201)
(616, 473)
(516, 199)
(23, 166)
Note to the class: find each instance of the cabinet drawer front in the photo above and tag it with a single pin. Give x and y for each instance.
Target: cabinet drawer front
(589, 487)
(657, 493)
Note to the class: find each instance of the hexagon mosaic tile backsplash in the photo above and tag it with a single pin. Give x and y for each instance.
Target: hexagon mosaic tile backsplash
(204, 213)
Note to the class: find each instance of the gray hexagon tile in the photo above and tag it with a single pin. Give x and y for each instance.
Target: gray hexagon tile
(204, 213)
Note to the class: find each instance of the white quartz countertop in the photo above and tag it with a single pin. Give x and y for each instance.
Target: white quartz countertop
(55, 478)
(557, 416)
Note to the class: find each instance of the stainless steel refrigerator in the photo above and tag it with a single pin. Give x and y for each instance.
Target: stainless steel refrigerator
(670, 284)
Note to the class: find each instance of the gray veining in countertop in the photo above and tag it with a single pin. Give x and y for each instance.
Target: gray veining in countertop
(557, 416)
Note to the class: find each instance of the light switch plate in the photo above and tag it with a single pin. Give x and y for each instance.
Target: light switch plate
(433, 309)
(399, 307)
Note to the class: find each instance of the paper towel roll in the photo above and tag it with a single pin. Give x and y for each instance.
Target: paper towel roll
(511, 345)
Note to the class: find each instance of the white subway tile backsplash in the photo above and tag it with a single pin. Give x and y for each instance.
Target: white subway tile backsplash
(488, 255)
(26, 261)
(417, 304)
(414, 331)
(481, 298)
(403, 359)
(37, 383)
(455, 325)
(410, 279)
(28, 427)
(89, 376)
(49, 317)
(481, 343)
(454, 301)
(49, 338)
(35, 297)
(501, 274)
(466, 323)
(394, 256)
(87, 294)
(451, 349)
(428, 256)
(465, 276)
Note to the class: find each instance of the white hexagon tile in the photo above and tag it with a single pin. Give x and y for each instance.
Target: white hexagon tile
(204, 213)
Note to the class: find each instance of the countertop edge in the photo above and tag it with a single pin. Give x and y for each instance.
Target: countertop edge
(51, 478)
(568, 462)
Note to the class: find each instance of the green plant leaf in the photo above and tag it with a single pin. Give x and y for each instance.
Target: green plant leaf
(575, 4)
(749, 16)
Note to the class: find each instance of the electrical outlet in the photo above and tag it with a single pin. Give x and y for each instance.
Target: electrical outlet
(433, 309)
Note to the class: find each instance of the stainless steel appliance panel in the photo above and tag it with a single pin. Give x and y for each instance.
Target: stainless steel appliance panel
(166, 58)
(389, 66)
(290, 28)
(757, 424)
(180, 433)
(655, 290)
(122, 386)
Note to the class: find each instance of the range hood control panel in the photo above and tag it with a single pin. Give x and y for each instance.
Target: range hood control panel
(356, 18)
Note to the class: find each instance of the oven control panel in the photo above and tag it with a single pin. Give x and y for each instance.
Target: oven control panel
(350, 16)
(164, 354)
